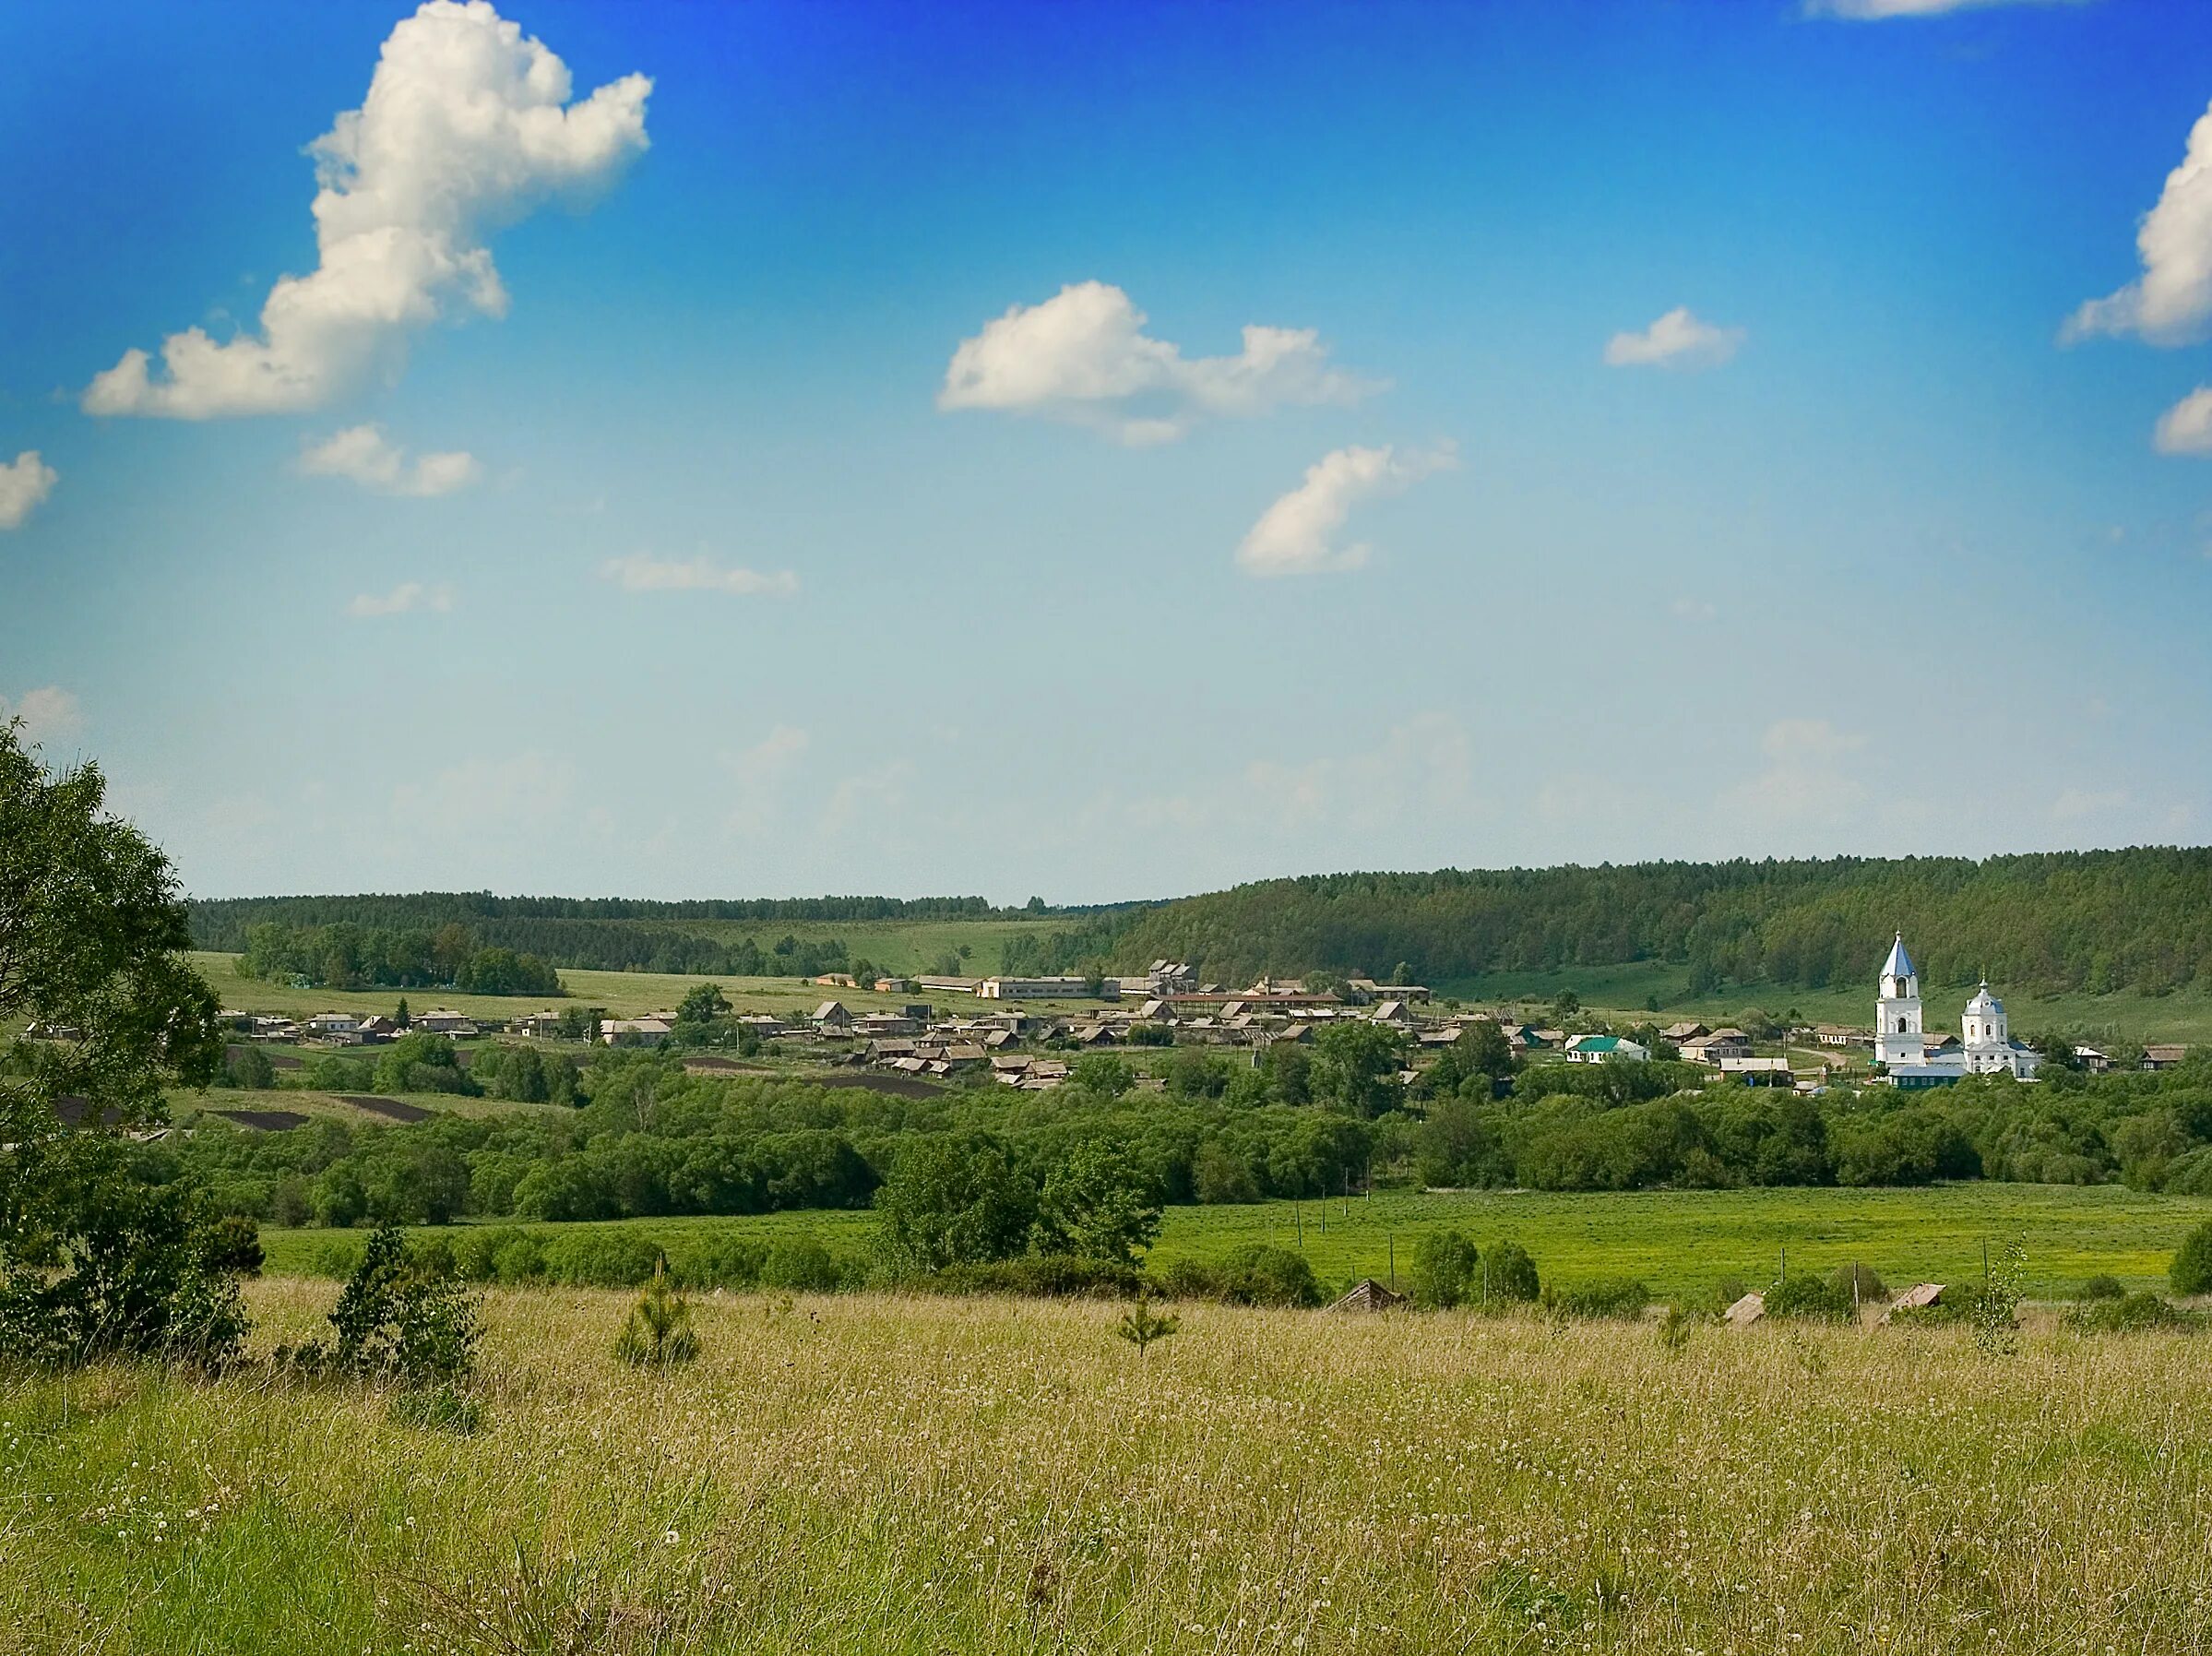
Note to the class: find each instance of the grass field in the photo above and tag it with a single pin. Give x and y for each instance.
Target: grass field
(1625, 991)
(873, 1475)
(1682, 1242)
(623, 993)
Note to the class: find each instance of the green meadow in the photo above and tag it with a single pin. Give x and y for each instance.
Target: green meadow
(1683, 1244)
(871, 1474)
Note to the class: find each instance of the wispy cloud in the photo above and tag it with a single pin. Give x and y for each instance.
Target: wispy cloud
(641, 572)
(466, 125)
(48, 713)
(1082, 355)
(24, 483)
(1298, 534)
(403, 599)
(1877, 11)
(1677, 339)
(364, 454)
(2186, 427)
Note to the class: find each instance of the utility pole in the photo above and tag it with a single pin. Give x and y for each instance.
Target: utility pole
(1394, 1262)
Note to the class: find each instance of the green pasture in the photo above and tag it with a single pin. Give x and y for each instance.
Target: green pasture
(1681, 1242)
(623, 993)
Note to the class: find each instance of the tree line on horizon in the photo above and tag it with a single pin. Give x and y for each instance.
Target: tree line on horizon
(2137, 919)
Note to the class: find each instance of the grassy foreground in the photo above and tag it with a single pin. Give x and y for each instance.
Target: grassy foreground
(877, 1474)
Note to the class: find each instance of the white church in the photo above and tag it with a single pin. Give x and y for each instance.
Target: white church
(1901, 1044)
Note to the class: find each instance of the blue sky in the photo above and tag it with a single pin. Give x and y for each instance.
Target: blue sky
(1672, 430)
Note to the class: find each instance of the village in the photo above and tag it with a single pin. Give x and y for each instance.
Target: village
(1024, 1031)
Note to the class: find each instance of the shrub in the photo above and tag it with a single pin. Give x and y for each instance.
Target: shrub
(1254, 1274)
(601, 1256)
(658, 1333)
(1509, 1275)
(720, 1261)
(2192, 1271)
(1807, 1298)
(396, 1320)
(2101, 1288)
(1859, 1284)
(1444, 1266)
(231, 1244)
(801, 1265)
(100, 1264)
(2131, 1313)
(1059, 1276)
(1612, 1296)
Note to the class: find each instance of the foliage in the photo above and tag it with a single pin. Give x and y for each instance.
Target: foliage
(659, 1332)
(2132, 1313)
(1606, 1297)
(2102, 1286)
(1860, 1284)
(95, 1260)
(1995, 1310)
(1097, 1204)
(1256, 1274)
(801, 1265)
(347, 955)
(1141, 1325)
(1809, 1298)
(952, 1201)
(1674, 1330)
(2191, 1271)
(1355, 1067)
(98, 1264)
(1509, 1275)
(400, 1319)
(1051, 1276)
(2093, 921)
(1444, 1266)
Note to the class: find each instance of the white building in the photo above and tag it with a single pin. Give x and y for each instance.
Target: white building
(1901, 1044)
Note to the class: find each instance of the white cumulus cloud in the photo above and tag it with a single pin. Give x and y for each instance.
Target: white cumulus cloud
(2171, 301)
(1677, 339)
(402, 600)
(47, 713)
(1297, 535)
(1082, 355)
(24, 481)
(641, 572)
(366, 456)
(2186, 427)
(466, 126)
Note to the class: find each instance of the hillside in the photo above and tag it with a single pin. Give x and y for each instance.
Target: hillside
(2076, 923)
(2089, 922)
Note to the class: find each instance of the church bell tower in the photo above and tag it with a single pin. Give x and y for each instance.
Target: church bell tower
(1897, 1032)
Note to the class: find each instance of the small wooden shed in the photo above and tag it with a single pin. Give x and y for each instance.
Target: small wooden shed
(1369, 1295)
(1745, 1311)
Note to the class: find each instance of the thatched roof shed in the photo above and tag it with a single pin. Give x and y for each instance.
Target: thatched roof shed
(1745, 1311)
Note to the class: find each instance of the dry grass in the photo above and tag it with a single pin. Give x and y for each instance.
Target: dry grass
(868, 1474)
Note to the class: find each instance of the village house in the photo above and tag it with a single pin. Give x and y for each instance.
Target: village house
(2163, 1055)
(444, 1020)
(1605, 1049)
(326, 1025)
(635, 1031)
(831, 1015)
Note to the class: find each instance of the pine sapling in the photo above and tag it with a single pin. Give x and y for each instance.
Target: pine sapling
(658, 1333)
(1140, 1325)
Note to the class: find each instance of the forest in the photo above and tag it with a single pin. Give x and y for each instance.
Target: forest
(2095, 922)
